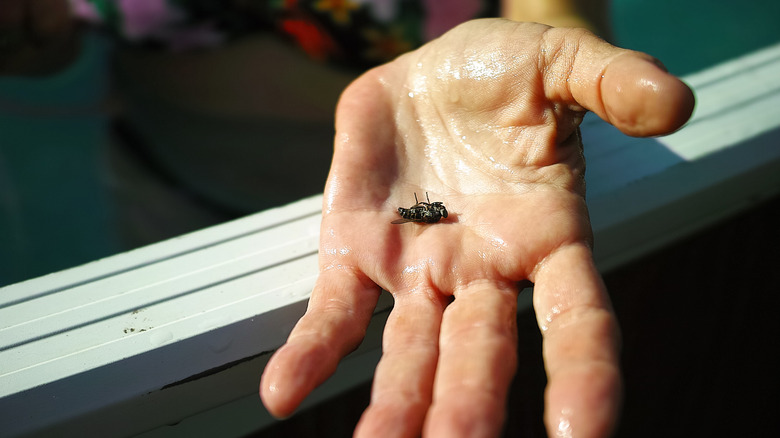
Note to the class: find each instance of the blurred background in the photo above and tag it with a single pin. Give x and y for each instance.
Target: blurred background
(130, 145)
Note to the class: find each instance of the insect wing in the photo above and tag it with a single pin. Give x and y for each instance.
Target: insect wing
(406, 216)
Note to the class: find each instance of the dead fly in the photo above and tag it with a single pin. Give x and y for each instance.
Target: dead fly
(425, 212)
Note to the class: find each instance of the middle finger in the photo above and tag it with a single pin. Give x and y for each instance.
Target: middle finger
(477, 360)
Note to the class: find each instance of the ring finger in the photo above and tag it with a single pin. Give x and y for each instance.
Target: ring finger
(403, 382)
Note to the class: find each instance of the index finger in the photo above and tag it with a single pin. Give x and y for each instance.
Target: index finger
(580, 344)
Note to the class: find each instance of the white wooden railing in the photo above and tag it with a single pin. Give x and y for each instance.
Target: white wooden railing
(170, 339)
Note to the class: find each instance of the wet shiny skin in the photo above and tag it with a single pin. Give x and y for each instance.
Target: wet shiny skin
(484, 118)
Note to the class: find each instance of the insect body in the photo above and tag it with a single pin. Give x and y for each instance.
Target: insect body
(424, 212)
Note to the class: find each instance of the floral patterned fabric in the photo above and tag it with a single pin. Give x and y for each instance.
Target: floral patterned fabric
(360, 33)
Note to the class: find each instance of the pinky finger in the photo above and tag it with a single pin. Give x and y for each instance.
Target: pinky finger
(335, 322)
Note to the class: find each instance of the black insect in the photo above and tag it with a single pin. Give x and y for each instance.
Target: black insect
(425, 212)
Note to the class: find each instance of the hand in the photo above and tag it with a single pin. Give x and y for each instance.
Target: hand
(485, 120)
(36, 36)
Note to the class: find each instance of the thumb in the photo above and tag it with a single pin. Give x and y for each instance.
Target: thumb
(630, 90)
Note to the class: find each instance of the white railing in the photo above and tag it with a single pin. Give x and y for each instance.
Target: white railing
(171, 339)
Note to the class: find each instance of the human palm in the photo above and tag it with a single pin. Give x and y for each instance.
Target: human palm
(485, 120)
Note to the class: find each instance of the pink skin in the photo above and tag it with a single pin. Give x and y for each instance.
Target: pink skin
(484, 119)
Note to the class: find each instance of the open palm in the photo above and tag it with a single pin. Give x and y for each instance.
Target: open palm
(484, 120)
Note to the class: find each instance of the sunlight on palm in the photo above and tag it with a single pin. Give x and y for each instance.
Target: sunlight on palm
(484, 119)
(507, 164)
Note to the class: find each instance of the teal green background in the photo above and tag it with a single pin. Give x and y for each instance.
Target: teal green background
(691, 35)
(54, 203)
